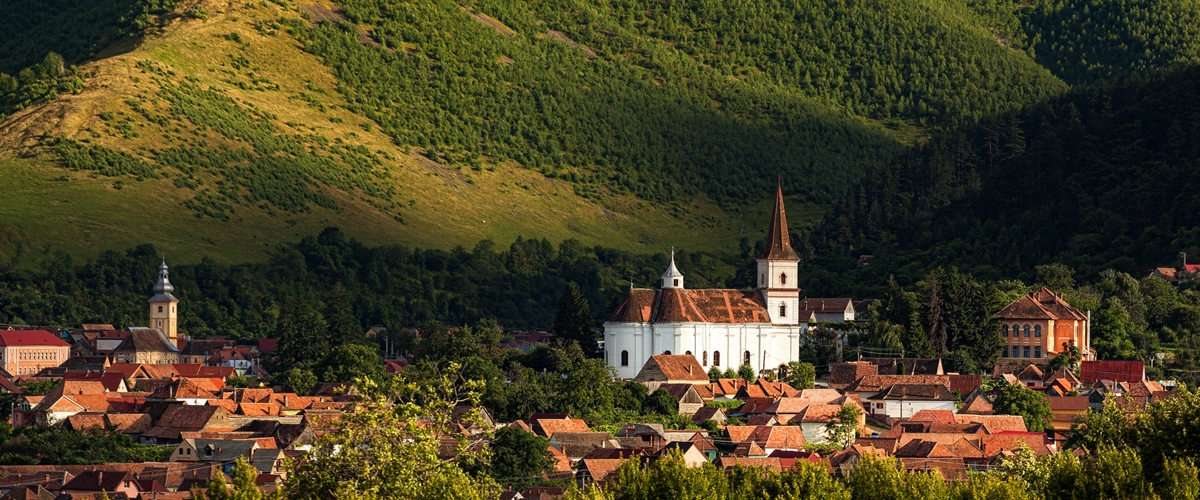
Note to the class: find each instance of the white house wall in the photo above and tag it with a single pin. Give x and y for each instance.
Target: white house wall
(906, 409)
(769, 345)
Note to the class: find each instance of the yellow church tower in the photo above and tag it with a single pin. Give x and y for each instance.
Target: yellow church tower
(163, 312)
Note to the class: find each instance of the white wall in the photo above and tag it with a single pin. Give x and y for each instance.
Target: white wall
(906, 409)
(769, 345)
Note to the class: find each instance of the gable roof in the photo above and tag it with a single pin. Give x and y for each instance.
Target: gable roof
(1040, 304)
(98, 480)
(844, 374)
(676, 367)
(831, 305)
(145, 340)
(550, 426)
(916, 392)
(877, 383)
(13, 338)
(994, 423)
(683, 305)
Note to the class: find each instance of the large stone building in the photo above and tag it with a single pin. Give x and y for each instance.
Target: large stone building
(27, 352)
(159, 343)
(719, 327)
(1040, 324)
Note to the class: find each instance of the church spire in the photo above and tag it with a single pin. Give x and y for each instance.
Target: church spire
(672, 278)
(164, 286)
(779, 244)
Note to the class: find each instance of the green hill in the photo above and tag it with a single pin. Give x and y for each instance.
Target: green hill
(1104, 177)
(224, 126)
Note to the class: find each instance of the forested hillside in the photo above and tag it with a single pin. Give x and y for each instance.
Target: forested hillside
(1101, 178)
(669, 101)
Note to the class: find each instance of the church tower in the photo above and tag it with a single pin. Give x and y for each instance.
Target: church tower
(163, 312)
(777, 269)
(672, 278)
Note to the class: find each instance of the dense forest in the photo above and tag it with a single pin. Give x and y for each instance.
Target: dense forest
(76, 30)
(1097, 179)
(666, 102)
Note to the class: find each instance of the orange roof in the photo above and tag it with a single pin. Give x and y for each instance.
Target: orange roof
(994, 423)
(679, 367)
(1040, 304)
(600, 468)
(940, 416)
(550, 426)
(258, 409)
(878, 383)
(818, 413)
(681, 305)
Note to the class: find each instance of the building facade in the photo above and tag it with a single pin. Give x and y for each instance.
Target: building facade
(1040, 325)
(724, 328)
(164, 316)
(27, 352)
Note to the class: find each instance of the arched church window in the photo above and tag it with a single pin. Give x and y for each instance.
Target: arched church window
(667, 352)
(746, 358)
(624, 358)
(782, 309)
(704, 358)
(159, 308)
(783, 372)
(1027, 333)
(689, 353)
(716, 358)
(782, 278)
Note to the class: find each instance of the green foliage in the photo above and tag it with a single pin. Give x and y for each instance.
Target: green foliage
(388, 448)
(31, 445)
(574, 319)
(800, 375)
(339, 318)
(352, 362)
(301, 334)
(40, 82)
(884, 480)
(661, 402)
(842, 428)
(1031, 405)
(714, 373)
(519, 458)
(1089, 40)
(680, 99)
(747, 373)
(40, 387)
(77, 30)
(243, 487)
(297, 380)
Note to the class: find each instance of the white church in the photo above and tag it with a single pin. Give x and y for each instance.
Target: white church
(720, 327)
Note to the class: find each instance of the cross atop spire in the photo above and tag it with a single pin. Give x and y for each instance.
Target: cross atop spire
(779, 244)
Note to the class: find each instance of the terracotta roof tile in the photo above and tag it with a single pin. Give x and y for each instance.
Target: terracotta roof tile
(1040, 304)
(548, 427)
(877, 383)
(844, 374)
(994, 423)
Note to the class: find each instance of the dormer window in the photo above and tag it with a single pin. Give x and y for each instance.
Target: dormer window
(782, 278)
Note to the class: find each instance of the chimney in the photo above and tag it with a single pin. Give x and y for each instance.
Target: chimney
(100, 477)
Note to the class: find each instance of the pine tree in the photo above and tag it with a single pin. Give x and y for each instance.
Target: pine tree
(302, 339)
(340, 322)
(574, 320)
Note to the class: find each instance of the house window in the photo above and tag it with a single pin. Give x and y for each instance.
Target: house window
(782, 309)
(1027, 332)
(1025, 352)
(716, 358)
(675, 282)
(704, 358)
(746, 358)
(782, 278)
(624, 358)
(1037, 330)
(1016, 331)
(1037, 351)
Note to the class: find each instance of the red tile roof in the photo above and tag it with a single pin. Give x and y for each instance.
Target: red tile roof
(679, 367)
(679, 305)
(30, 337)
(1117, 370)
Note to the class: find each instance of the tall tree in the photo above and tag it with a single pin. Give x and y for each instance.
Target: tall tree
(302, 339)
(519, 458)
(574, 320)
(340, 322)
(1031, 405)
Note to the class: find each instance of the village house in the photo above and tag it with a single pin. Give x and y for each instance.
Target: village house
(1040, 324)
(903, 400)
(840, 310)
(27, 352)
(672, 369)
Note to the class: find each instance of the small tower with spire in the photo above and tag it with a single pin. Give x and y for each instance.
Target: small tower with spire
(164, 306)
(778, 265)
(672, 278)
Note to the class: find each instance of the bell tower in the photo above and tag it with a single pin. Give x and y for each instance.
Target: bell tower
(163, 307)
(777, 268)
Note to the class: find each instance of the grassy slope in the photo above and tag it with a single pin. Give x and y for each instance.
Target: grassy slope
(43, 204)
